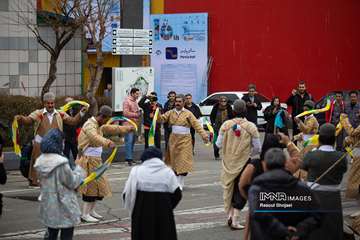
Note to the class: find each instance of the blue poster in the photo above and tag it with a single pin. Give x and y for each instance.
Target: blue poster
(180, 54)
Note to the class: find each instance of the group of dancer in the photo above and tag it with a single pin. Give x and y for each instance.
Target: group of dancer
(155, 187)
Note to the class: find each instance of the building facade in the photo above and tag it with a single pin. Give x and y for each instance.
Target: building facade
(24, 63)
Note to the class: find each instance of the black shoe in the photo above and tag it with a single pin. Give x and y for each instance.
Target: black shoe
(129, 162)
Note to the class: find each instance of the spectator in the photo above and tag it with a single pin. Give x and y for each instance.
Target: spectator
(149, 105)
(220, 112)
(108, 91)
(151, 193)
(253, 104)
(192, 107)
(270, 114)
(352, 109)
(326, 185)
(71, 136)
(296, 101)
(131, 110)
(3, 176)
(169, 105)
(267, 215)
(59, 208)
(337, 108)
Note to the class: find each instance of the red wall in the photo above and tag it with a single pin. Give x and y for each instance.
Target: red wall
(274, 43)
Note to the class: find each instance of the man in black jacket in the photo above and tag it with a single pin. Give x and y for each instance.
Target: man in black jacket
(70, 134)
(281, 207)
(170, 104)
(253, 104)
(220, 112)
(192, 107)
(149, 107)
(296, 101)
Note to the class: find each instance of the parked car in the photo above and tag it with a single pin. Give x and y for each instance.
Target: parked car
(322, 103)
(207, 104)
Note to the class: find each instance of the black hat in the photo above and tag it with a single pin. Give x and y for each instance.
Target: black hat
(151, 152)
(327, 130)
(310, 104)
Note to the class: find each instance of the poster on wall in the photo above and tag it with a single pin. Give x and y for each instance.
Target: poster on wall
(180, 54)
(126, 78)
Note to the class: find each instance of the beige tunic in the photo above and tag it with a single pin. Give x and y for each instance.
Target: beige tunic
(91, 135)
(236, 152)
(308, 128)
(42, 125)
(179, 155)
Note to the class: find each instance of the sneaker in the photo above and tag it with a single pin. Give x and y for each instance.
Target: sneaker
(89, 219)
(130, 163)
(96, 215)
(217, 158)
(236, 226)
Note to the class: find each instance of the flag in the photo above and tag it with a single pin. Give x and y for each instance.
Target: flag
(212, 138)
(72, 104)
(314, 140)
(121, 118)
(153, 129)
(15, 137)
(316, 111)
(100, 170)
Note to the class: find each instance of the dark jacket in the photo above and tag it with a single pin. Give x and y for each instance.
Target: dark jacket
(195, 110)
(268, 222)
(269, 116)
(352, 111)
(214, 112)
(297, 103)
(251, 114)
(148, 111)
(70, 131)
(168, 106)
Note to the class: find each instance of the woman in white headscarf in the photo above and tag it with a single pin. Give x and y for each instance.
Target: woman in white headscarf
(151, 193)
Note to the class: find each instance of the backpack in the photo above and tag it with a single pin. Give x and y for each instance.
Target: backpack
(25, 159)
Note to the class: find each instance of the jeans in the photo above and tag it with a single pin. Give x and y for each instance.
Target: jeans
(129, 145)
(74, 151)
(66, 233)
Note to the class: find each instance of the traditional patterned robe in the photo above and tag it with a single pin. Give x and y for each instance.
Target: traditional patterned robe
(41, 126)
(91, 136)
(236, 152)
(179, 154)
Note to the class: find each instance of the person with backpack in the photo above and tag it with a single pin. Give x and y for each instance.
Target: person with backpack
(59, 208)
(44, 120)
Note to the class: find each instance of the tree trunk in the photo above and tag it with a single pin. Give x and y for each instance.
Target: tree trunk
(95, 79)
(52, 73)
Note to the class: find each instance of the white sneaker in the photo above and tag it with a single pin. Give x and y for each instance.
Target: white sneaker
(96, 215)
(89, 219)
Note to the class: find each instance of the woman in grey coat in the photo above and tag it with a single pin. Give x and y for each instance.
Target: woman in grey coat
(59, 208)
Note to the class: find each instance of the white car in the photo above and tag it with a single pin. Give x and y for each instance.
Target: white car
(207, 104)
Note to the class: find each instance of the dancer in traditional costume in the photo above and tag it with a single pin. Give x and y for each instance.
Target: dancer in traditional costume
(179, 154)
(44, 120)
(91, 144)
(238, 139)
(353, 185)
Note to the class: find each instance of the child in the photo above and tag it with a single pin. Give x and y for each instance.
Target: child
(59, 208)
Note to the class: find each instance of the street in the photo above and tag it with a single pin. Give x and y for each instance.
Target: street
(198, 216)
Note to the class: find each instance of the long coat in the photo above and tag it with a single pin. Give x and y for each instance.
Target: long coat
(59, 207)
(179, 155)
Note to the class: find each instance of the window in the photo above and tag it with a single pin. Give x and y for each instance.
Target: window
(210, 101)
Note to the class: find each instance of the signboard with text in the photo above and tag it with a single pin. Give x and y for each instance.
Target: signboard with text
(180, 54)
